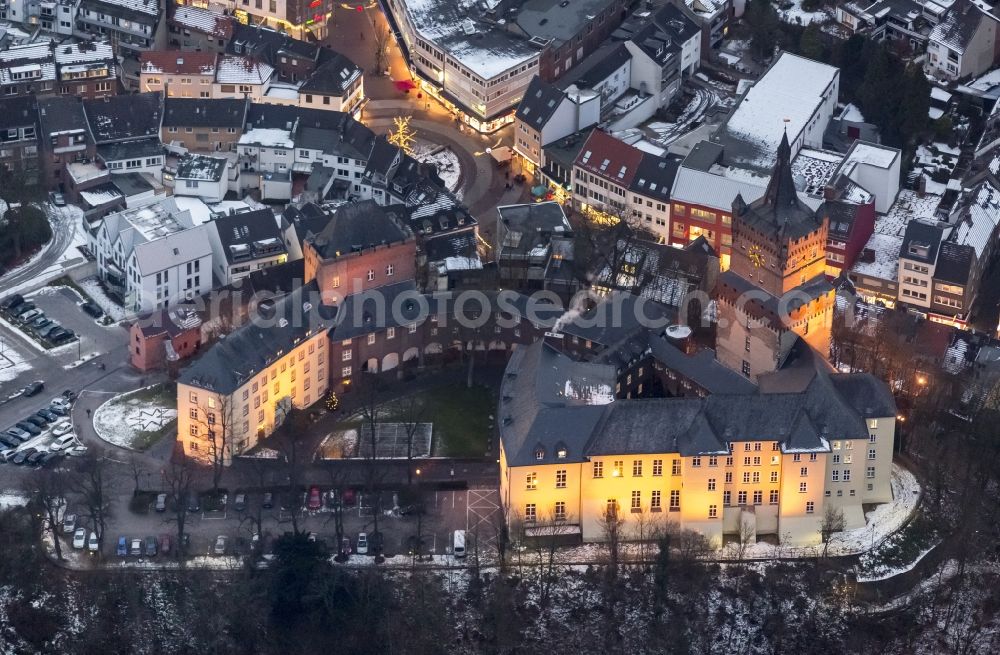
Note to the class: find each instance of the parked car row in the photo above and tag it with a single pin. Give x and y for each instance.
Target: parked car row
(82, 540)
(33, 319)
(148, 547)
(18, 443)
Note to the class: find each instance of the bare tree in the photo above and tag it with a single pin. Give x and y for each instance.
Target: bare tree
(381, 45)
(47, 490)
(137, 470)
(178, 476)
(548, 536)
(216, 417)
(612, 523)
(604, 239)
(294, 452)
(91, 483)
(833, 521)
(371, 412)
(411, 412)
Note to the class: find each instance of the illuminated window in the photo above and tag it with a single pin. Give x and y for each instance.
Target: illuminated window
(655, 500)
(636, 500)
(713, 511)
(657, 467)
(711, 484)
(598, 469)
(617, 470)
(675, 500)
(560, 511)
(637, 468)
(529, 512)
(531, 481)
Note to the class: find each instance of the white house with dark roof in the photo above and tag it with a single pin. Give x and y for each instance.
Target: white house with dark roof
(133, 26)
(964, 42)
(244, 242)
(547, 114)
(336, 85)
(242, 77)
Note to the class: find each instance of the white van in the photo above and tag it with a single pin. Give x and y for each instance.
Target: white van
(458, 543)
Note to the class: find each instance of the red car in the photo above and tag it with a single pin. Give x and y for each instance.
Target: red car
(315, 499)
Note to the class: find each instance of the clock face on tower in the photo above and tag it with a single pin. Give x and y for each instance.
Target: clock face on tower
(756, 256)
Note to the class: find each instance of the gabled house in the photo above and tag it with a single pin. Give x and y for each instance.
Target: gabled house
(336, 85)
(126, 130)
(547, 114)
(195, 29)
(964, 42)
(19, 135)
(64, 137)
(203, 125)
(244, 242)
(242, 77)
(132, 26)
(177, 74)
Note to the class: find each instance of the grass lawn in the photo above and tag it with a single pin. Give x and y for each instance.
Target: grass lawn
(461, 418)
(139, 419)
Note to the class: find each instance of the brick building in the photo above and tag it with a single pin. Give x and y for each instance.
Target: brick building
(203, 125)
(162, 337)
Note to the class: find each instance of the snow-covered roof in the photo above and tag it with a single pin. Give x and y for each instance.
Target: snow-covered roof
(852, 114)
(871, 154)
(83, 53)
(32, 51)
(203, 20)
(268, 137)
(150, 7)
(242, 70)
(484, 49)
(174, 62)
(981, 218)
(939, 94)
(885, 265)
(887, 237)
(958, 26)
(100, 196)
(46, 72)
(812, 169)
(201, 167)
(785, 98)
(283, 91)
(462, 264)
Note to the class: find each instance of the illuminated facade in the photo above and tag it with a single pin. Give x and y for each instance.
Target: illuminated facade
(769, 462)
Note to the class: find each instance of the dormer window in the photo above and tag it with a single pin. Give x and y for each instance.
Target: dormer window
(561, 453)
(539, 454)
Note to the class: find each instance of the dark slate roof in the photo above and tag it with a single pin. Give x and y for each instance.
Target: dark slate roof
(779, 213)
(251, 348)
(658, 271)
(249, 235)
(130, 149)
(361, 225)
(18, 111)
(151, 15)
(540, 101)
(204, 112)
(565, 151)
(131, 184)
(265, 43)
(596, 67)
(954, 263)
(761, 299)
(123, 118)
(392, 305)
(959, 25)
(618, 316)
(704, 155)
(308, 219)
(702, 367)
(921, 235)
(676, 22)
(60, 114)
(655, 175)
(279, 279)
(841, 217)
(558, 20)
(332, 77)
(535, 413)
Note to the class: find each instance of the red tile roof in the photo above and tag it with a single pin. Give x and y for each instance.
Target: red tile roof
(607, 157)
(174, 62)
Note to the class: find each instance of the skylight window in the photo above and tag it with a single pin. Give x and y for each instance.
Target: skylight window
(621, 172)
(586, 156)
(604, 164)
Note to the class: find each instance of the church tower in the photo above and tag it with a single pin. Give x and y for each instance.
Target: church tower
(775, 287)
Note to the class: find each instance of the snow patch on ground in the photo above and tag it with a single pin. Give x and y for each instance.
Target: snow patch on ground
(110, 307)
(12, 363)
(796, 15)
(10, 499)
(889, 573)
(448, 167)
(120, 420)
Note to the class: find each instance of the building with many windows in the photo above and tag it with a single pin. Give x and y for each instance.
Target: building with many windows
(767, 461)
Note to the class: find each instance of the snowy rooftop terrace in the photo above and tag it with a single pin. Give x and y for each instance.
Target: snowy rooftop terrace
(889, 231)
(158, 219)
(812, 169)
(268, 137)
(485, 50)
(201, 167)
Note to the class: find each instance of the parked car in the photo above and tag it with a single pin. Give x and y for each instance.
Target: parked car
(240, 503)
(136, 547)
(61, 428)
(30, 428)
(29, 315)
(349, 497)
(63, 442)
(35, 458)
(37, 421)
(122, 549)
(345, 546)
(40, 322)
(194, 505)
(362, 544)
(33, 388)
(92, 309)
(69, 523)
(58, 410)
(315, 499)
(69, 395)
(49, 329)
(58, 199)
(11, 302)
(79, 538)
(21, 456)
(23, 309)
(19, 433)
(61, 401)
(151, 546)
(47, 415)
(268, 501)
(165, 543)
(56, 334)
(9, 441)
(92, 544)
(161, 502)
(65, 335)
(77, 451)
(48, 457)
(7, 454)
(219, 548)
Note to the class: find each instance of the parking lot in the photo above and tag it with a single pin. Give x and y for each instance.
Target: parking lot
(41, 437)
(446, 511)
(58, 315)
